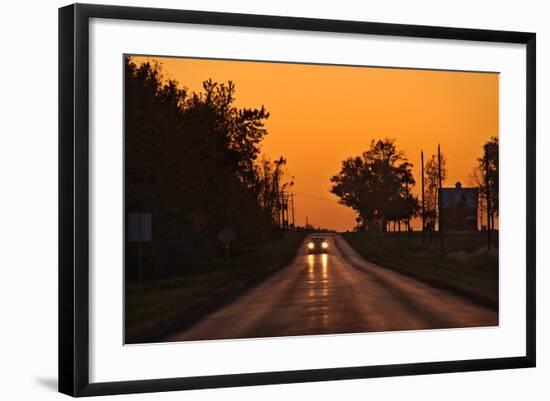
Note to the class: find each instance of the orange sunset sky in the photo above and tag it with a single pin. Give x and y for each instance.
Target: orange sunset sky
(320, 115)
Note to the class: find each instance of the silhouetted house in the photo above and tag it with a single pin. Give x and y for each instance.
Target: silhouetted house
(459, 208)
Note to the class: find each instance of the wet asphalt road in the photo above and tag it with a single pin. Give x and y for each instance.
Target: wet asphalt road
(338, 292)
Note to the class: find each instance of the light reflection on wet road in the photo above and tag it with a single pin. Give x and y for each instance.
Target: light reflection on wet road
(338, 292)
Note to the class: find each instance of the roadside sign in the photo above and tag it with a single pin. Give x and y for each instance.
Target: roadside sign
(140, 227)
(227, 235)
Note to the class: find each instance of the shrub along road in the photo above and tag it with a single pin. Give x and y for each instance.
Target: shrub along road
(473, 274)
(156, 308)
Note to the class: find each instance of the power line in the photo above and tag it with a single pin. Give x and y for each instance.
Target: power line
(315, 196)
(447, 153)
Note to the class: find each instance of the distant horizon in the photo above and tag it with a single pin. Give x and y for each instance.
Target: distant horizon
(323, 114)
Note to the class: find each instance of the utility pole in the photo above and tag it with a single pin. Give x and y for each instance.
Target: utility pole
(283, 209)
(487, 200)
(408, 219)
(287, 207)
(277, 198)
(440, 203)
(306, 225)
(279, 219)
(423, 211)
(292, 206)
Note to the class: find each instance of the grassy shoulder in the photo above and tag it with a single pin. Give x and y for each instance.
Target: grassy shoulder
(472, 274)
(154, 309)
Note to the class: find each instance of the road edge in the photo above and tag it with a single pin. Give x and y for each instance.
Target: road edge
(471, 294)
(189, 319)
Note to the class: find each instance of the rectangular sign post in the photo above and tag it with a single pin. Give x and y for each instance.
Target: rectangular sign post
(440, 209)
(140, 230)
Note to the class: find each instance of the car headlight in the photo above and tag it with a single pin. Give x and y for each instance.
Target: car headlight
(324, 245)
(311, 245)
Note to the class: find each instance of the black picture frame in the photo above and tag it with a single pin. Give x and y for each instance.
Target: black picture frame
(74, 198)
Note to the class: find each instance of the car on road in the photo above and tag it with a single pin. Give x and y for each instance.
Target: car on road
(317, 244)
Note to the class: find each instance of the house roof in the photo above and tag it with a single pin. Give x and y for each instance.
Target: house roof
(452, 197)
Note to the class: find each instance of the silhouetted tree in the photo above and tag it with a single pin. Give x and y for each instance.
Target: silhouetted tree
(488, 174)
(271, 185)
(191, 161)
(431, 187)
(377, 185)
(475, 180)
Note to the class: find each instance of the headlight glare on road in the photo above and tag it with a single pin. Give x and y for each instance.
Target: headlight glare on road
(324, 245)
(311, 245)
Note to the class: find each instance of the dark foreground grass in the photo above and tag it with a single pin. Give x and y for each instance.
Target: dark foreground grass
(155, 309)
(471, 274)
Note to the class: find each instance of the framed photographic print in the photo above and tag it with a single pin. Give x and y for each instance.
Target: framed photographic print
(249, 199)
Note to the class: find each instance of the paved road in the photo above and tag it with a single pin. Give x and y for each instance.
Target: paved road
(337, 293)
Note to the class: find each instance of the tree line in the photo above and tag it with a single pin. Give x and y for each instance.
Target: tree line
(192, 160)
(377, 185)
(485, 176)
